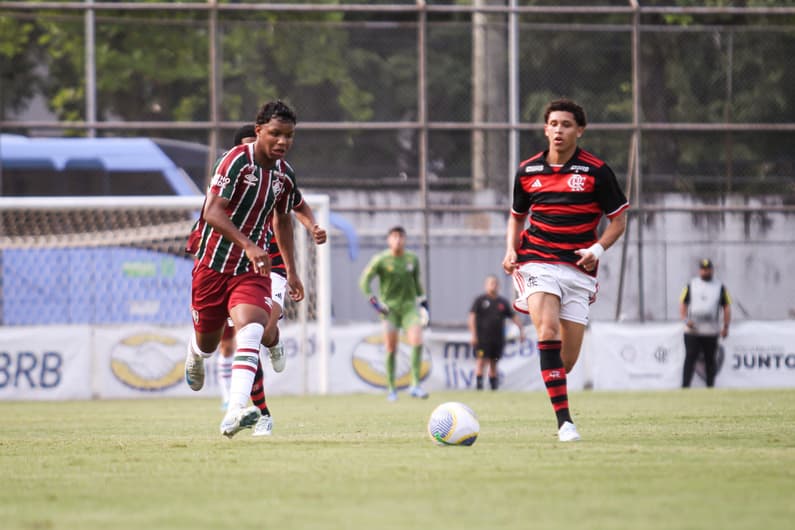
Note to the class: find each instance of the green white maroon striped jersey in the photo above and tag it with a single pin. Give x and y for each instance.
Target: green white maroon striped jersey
(254, 195)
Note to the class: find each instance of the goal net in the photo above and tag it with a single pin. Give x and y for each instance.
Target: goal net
(115, 260)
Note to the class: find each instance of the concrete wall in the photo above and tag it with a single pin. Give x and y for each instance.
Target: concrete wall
(754, 255)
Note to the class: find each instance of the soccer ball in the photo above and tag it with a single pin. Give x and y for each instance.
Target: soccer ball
(453, 423)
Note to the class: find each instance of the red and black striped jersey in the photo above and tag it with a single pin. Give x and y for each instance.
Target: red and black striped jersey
(254, 195)
(565, 206)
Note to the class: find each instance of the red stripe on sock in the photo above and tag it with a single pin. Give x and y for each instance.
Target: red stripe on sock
(244, 367)
(549, 344)
(247, 350)
(555, 391)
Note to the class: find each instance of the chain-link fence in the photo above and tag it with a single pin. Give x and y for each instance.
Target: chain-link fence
(435, 99)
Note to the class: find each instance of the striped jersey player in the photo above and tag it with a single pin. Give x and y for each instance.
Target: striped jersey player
(252, 189)
(565, 191)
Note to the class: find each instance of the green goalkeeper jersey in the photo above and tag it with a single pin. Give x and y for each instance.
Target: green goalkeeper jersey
(398, 279)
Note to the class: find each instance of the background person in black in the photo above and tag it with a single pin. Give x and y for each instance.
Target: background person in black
(487, 326)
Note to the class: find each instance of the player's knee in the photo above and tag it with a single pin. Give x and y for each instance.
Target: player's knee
(249, 335)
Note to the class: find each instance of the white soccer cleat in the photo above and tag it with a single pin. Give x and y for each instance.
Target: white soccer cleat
(264, 426)
(236, 420)
(568, 432)
(278, 358)
(392, 396)
(418, 392)
(194, 370)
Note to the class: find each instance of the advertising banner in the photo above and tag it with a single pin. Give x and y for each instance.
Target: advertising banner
(45, 362)
(141, 361)
(651, 356)
(113, 362)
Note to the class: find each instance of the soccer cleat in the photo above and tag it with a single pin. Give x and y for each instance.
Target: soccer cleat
(238, 419)
(264, 426)
(278, 358)
(194, 371)
(418, 392)
(568, 432)
(392, 396)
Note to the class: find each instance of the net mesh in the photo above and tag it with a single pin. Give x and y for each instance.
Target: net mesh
(83, 262)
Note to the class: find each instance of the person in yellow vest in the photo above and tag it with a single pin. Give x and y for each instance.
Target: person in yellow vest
(700, 308)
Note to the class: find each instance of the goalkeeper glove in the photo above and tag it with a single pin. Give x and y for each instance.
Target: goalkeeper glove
(425, 314)
(378, 306)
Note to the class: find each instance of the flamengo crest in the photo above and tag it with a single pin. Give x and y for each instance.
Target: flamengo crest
(577, 183)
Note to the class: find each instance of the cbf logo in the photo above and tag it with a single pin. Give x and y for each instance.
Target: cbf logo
(148, 361)
(369, 362)
(577, 183)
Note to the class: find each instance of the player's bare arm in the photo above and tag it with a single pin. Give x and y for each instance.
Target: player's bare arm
(727, 317)
(303, 212)
(589, 256)
(472, 329)
(215, 214)
(512, 236)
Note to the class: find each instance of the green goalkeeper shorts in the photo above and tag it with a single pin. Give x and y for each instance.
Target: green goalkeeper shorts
(403, 317)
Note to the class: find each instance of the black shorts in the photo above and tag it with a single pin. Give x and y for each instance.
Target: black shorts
(489, 351)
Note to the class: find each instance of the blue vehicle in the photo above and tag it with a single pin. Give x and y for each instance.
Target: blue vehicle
(91, 284)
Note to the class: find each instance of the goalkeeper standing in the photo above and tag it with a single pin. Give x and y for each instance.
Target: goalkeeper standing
(402, 304)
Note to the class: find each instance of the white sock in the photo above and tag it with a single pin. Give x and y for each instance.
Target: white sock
(244, 366)
(223, 369)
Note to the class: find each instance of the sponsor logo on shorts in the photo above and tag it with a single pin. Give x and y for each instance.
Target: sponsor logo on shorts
(195, 315)
(531, 281)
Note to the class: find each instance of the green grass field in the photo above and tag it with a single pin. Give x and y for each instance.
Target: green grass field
(664, 460)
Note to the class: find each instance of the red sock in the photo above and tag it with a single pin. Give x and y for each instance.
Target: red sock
(554, 377)
(258, 391)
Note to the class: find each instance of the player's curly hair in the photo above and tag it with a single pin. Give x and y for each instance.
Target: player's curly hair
(566, 105)
(275, 109)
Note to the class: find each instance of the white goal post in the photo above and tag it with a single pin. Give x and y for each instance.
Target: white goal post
(63, 244)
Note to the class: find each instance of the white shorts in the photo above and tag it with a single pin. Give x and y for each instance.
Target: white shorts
(278, 287)
(574, 288)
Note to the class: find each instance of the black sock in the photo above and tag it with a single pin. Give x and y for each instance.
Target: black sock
(493, 383)
(479, 382)
(554, 377)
